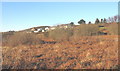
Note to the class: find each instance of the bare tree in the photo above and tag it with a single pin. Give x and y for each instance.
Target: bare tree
(115, 18)
(118, 18)
(109, 19)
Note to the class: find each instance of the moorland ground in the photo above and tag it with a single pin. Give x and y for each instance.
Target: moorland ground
(61, 51)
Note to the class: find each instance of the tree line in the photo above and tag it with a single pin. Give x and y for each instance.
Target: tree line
(113, 19)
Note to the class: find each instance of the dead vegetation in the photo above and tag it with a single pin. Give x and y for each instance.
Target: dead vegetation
(80, 47)
(87, 53)
(61, 34)
(113, 28)
(86, 30)
(21, 38)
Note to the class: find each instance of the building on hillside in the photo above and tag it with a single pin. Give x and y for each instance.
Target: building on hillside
(47, 28)
(65, 26)
(52, 28)
(33, 29)
(43, 30)
(40, 29)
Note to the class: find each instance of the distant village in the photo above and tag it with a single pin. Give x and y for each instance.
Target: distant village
(48, 28)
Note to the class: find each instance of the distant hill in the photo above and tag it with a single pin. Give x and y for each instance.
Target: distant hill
(29, 29)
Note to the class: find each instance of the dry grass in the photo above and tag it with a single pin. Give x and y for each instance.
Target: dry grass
(86, 53)
(113, 28)
(86, 30)
(22, 39)
(61, 34)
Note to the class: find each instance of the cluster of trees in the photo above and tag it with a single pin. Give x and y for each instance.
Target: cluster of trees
(114, 19)
(102, 21)
(97, 21)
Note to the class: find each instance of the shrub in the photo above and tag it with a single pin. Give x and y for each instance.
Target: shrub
(5, 37)
(113, 29)
(23, 39)
(60, 34)
(46, 34)
(86, 30)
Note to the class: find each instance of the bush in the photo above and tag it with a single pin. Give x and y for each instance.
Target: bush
(46, 34)
(86, 30)
(23, 39)
(113, 29)
(5, 37)
(61, 34)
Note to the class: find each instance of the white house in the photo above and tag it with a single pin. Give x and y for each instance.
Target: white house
(47, 28)
(35, 30)
(65, 26)
(43, 30)
(53, 27)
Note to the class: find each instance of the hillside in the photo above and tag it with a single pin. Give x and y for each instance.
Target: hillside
(98, 52)
(72, 48)
(29, 29)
